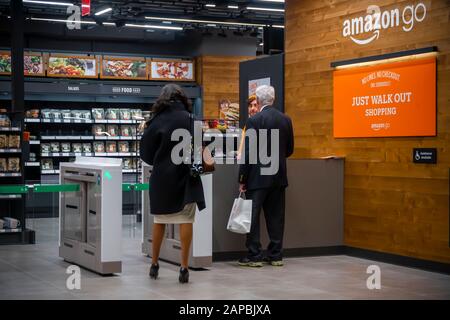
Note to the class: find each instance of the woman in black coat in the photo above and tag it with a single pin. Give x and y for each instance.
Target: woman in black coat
(174, 192)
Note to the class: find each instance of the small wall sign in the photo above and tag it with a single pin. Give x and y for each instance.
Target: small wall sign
(425, 155)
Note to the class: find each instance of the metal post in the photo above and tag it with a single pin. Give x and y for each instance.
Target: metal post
(17, 77)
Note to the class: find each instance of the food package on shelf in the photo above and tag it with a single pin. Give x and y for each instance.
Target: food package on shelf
(99, 146)
(55, 114)
(126, 163)
(98, 113)
(125, 131)
(65, 147)
(4, 121)
(139, 164)
(77, 147)
(124, 146)
(3, 141)
(14, 141)
(111, 146)
(133, 163)
(77, 114)
(113, 130)
(66, 114)
(3, 165)
(112, 114)
(125, 114)
(146, 115)
(98, 129)
(134, 146)
(46, 113)
(87, 147)
(86, 115)
(55, 147)
(47, 164)
(32, 114)
(13, 164)
(133, 130)
(45, 147)
(136, 114)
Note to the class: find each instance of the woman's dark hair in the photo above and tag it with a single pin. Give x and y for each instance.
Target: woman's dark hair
(171, 93)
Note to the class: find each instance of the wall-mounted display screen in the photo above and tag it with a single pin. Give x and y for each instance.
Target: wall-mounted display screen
(172, 70)
(254, 84)
(5, 62)
(72, 66)
(33, 64)
(124, 68)
(386, 100)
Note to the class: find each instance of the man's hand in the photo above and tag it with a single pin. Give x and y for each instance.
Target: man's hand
(242, 187)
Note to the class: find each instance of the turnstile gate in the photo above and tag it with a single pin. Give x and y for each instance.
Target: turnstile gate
(201, 248)
(91, 218)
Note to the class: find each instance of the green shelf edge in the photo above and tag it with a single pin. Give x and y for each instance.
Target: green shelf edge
(49, 188)
(12, 189)
(41, 188)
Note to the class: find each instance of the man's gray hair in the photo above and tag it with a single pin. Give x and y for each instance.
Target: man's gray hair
(265, 95)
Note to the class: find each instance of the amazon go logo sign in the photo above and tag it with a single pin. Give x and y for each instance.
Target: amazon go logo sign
(365, 29)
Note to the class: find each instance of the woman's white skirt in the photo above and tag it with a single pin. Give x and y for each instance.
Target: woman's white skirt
(187, 215)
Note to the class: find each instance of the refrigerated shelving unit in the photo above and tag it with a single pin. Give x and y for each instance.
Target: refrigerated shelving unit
(12, 198)
(59, 93)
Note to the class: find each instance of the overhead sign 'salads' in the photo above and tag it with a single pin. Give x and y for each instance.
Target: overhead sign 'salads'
(387, 100)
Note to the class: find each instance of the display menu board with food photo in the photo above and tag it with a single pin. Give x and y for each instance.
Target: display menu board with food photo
(228, 110)
(33, 64)
(5, 62)
(172, 70)
(72, 66)
(124, 68)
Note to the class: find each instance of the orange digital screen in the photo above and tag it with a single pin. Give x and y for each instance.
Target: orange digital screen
(387, 100)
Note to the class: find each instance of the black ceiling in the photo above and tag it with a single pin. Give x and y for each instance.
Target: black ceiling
(135, 11)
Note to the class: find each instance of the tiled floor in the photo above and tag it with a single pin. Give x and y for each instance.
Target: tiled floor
(36, 272)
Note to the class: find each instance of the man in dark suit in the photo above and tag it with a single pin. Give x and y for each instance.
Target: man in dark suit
(263, 185)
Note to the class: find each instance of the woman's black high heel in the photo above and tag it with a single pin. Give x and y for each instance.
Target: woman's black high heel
(184, 275)
(154, 271)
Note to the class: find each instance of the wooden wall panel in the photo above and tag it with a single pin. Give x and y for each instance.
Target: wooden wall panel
(391, 205)
(219, 77)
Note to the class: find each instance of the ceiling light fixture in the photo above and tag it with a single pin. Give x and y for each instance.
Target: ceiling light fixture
(103, 11)
(210, 5)
(233, 7)
(54, 3)
(278, 1)
(265, 9)
(118, 24)
(151, 26)
(277, 26)
(207, 21)
(64, 21)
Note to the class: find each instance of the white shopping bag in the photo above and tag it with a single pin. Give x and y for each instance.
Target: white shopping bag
(241, 215)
